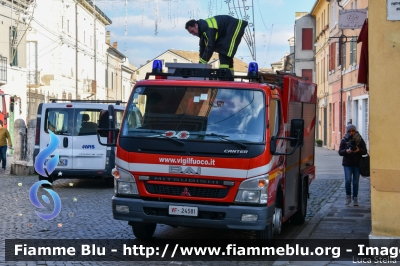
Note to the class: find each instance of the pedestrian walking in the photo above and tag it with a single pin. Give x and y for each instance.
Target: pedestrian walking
(352, 147)
(4, 137)
(220, 34)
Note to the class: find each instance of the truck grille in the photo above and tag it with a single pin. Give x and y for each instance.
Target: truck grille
(186, 191)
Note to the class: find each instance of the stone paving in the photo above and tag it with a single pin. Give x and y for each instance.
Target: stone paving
(86, 214)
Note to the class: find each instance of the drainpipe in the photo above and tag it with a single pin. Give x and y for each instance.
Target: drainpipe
(121, 84)
(341, 79)
(76, 50)
(95, 47)
(107, 78)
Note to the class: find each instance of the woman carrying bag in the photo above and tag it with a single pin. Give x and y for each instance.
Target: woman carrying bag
(352, 147)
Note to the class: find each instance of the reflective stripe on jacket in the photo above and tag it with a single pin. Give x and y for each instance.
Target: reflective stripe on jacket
(220, 34)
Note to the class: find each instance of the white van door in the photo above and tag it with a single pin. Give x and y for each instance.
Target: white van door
(87, 152)
(58, 119)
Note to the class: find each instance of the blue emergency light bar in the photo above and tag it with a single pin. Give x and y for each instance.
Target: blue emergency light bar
(157, 66)
(253, 69)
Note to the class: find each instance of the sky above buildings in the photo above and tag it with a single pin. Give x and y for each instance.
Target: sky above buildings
(145, 29)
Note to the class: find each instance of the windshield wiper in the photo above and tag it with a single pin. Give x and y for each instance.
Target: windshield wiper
(181, 143)
(223, 137)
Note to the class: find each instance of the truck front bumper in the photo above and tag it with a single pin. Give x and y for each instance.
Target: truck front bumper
(212, 216)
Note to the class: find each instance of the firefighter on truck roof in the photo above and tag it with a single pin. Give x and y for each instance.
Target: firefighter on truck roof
(220, 34)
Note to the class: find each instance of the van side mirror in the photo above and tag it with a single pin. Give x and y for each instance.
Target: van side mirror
(297, 133)
(7, 115)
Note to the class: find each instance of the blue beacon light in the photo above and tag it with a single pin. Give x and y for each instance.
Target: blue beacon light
(157, 66)
(253, 69)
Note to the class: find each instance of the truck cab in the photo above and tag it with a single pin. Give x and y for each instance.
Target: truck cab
(214, 152)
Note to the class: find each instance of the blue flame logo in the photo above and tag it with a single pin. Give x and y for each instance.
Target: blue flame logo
(35, 201)
(46, 152)
(51, 164)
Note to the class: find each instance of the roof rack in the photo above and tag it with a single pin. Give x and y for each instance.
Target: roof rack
(117, 102)
(223, 74)
(206, 73)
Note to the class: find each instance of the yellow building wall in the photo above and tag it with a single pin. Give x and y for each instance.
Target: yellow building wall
(384, 79)
(321, 14)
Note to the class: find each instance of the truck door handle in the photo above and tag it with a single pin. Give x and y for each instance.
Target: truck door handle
(65, 142)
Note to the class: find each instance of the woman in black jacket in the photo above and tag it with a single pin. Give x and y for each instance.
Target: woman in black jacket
(352, 147)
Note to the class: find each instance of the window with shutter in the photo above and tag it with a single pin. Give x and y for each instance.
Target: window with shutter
(307, 40)
(332, 56)
(307, 74)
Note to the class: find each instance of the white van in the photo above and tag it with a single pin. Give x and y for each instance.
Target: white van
(75, 124)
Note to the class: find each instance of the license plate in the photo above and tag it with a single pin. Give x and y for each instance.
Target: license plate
(61, 162)
(182, 210)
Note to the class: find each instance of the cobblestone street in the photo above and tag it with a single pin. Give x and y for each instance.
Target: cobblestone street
(86, 213)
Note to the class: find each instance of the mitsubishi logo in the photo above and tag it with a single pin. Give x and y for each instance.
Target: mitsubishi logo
(185, 170)
(186, 192)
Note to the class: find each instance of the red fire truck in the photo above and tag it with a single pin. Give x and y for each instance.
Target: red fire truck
(209, 151)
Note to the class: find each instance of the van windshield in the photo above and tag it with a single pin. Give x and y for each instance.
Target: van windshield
(71, 121)
(196, 113)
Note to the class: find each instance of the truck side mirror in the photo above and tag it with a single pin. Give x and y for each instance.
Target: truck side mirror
(296, 138)
(106, 127)
(272, 145)
(297, 132)
(103, 123)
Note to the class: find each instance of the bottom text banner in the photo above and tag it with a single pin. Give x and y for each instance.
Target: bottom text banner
(355, 250)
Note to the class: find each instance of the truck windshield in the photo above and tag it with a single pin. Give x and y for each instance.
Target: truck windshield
(196, 113)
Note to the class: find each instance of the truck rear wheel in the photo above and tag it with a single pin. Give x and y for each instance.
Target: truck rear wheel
(300, 216)
(143, 230)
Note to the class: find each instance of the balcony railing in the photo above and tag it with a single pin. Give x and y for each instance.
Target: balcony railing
(33, 77)
(17, 3)
(3, 70)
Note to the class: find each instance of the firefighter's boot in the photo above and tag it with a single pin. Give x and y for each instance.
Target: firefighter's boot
(348, 200)
(355, 201)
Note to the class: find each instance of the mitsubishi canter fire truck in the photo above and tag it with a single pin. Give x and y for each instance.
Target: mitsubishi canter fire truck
(213, 152)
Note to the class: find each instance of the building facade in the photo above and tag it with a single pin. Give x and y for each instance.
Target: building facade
(304, 65)
(113, 76)
(350, 99)
(320, 12)
(341, 99)
(15, 17)
(66, 52)
(383, 49)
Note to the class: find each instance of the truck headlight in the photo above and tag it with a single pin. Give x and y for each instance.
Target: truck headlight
(125, 182)
(253, 190)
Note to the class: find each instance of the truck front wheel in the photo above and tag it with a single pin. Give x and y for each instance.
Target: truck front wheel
(143, 230)
(265, 237)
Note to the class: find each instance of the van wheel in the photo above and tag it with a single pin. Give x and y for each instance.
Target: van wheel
(265, 237)
(143, 230)
(300, 216)
(49, 179)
